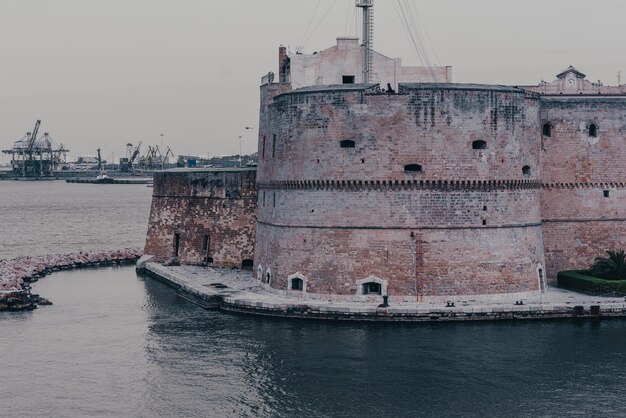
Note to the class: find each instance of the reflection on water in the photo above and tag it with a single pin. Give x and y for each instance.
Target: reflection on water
(118, 345)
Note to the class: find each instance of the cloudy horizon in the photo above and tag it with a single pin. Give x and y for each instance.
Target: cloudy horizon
(101, 74)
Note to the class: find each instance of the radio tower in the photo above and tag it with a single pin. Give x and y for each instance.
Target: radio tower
(368, 36)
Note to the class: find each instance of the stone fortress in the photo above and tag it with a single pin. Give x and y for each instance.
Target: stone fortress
(422, 192)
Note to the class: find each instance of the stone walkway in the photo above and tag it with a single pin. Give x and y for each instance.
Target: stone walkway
(238, 291)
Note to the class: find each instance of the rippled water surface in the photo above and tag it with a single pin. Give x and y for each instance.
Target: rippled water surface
(43, 217)
(118, 345)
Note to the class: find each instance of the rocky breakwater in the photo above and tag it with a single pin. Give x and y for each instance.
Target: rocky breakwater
(17, 273)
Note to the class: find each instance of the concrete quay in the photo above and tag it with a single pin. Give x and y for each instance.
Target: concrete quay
(237, 291)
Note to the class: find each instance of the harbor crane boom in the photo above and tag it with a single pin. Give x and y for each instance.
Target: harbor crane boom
(33, 137)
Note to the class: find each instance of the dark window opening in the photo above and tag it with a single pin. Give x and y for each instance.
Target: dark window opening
(484, 209)
(413, 168)
(526, 170)
(484, 222)
(542, 284)
(362, 160)
(176, 244)
(274, 199)
(274, 147)
(297, 284)
(372, 288)
(263, 198)
(547, 130)
(247, 264)
(347, 79)
(263, 148)
(268, 277)
(347, 143)
(606, 193)
(593, 130)
(205, 243)
(480, 144)
(208, 260)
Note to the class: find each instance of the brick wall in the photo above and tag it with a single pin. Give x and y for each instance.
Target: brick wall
(220, 204)
(467, 223)
(580, 223)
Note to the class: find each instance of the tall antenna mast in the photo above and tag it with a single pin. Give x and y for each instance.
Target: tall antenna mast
(368, 35)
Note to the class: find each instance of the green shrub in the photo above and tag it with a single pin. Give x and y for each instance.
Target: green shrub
(612, 267)
(583, 281)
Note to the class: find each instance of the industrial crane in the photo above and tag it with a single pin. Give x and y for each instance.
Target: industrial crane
(33, 138)
(99, 161)
(135, 154)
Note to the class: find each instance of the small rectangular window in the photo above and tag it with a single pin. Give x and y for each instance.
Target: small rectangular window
(606, 193)
(347, 79)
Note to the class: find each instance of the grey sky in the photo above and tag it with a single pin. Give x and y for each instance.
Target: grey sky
(102, 73)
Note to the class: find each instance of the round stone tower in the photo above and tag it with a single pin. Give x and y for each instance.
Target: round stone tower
(429, 193)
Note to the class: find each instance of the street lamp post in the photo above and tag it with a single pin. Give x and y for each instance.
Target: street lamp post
(240, 159)
(162, 159)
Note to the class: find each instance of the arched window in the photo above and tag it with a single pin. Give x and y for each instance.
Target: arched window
(297, 284)
(247, 264)
(268, 277)
(259, 273)
(526, 170)
(347, 143)
(372, 288)
(413, 168)
(547, 130)
(479, 144)
(593, 130)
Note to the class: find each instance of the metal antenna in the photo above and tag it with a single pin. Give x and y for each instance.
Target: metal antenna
(368, 36)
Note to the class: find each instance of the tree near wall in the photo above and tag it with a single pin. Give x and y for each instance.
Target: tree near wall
(612, 267)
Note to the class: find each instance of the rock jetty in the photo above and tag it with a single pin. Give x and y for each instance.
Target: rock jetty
(14, 272)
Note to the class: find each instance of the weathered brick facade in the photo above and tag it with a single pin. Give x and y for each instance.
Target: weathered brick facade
(583, 199)
(439, 190)
(211, 211)
(338, 202)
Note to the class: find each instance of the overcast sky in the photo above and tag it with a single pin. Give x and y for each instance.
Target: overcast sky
(104, 73)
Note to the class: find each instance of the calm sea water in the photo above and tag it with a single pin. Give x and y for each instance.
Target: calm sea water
(117, 345)
(46, 217)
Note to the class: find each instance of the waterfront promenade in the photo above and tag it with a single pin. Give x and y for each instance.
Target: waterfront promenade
(237, 291)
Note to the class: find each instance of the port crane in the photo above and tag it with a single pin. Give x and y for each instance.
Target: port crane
(34, 157)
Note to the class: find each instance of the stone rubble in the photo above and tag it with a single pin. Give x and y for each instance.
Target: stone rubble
(14, 272)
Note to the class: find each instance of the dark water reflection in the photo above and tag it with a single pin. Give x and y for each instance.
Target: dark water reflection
(117, 345)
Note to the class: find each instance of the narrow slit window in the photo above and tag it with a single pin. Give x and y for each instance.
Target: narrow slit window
(347, 143)
(268, 277)
(593, 130)
(547, 130)
(526, 170)
(263, 148)
(176, 244)
(413, 168)
(480, 144)
(274, 147)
